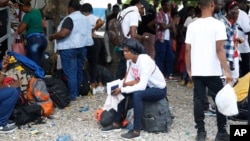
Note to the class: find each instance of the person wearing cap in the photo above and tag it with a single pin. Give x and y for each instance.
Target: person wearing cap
(204, 57)
(232, 42)
(143, 81)
(35, 37)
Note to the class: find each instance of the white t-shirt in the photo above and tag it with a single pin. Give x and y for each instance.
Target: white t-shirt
(244, 22)
(131, 19)
(93, 19)
(167, 32)
(189, 20)
(146, 71)
(202, 35)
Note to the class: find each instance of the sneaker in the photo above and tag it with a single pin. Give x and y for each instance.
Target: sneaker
(222, 137)
(183, 82)
(111, 128)
(11, 123)
(109, 59)
(7, 129)
(201, 136)
(190, 85)
(99, 90)
(130, 135)
(94, 91)
(172, 78)
(209, 113)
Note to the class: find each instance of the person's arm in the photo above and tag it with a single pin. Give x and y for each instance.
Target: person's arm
(99, 24)
(133, 34)
(3, 3)
(188, 59)
(21, 28)
(222, 57)
(67, 26)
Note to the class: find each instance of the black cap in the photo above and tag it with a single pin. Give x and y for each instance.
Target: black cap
(134, 46)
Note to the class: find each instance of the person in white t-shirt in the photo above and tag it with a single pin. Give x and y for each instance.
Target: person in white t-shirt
(204, 56)
(93, 51)
(131, 18)
(143, 81)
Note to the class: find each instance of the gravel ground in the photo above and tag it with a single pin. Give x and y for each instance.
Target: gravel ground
(82, 126)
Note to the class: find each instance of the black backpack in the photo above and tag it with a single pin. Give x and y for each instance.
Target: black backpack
(58, 92)
(85, 85)
(26, 114)
(157, 116)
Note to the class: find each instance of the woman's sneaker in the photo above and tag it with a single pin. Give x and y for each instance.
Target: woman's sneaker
(111, 128)
(7, 129)
(130, 135)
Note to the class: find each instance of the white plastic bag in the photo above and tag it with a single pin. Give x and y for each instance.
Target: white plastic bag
(226, 101)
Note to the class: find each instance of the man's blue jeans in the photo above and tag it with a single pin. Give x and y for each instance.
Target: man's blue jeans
(8, 99)
(35, 47)
(149, 94)
(164, 57)
(72, 65)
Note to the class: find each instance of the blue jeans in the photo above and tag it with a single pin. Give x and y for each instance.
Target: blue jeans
(215, 84)
(164, 57)
(35, 47)
(72, 65)
(8, 99)
(149, 94)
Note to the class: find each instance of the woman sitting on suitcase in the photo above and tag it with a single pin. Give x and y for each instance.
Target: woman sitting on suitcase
(143, 81)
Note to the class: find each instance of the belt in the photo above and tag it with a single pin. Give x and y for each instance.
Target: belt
(35, 34)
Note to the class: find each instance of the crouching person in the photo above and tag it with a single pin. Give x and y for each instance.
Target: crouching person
(143, 81)
(8, 98)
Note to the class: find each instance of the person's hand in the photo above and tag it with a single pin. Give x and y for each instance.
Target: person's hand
(116, 91)
(229, 78)
(5, 62)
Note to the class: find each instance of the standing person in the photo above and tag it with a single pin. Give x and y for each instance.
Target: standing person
(72, 37)
(147, 27)
(35, 37)
(108, 11)
(164, 55)
(129, 27)
(8, 98)
(94, 50)
(244, 33)
(204, 57)
(232, 42)
(115, 11)
(143, 81)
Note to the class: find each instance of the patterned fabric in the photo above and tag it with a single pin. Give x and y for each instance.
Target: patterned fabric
(160, 18)
(229, 43)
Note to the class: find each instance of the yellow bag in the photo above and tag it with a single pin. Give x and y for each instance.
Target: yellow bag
(242, 87)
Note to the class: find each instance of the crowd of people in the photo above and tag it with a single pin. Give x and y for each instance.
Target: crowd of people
(201, 42)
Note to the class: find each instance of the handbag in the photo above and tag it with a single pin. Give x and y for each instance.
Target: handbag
(18, 45)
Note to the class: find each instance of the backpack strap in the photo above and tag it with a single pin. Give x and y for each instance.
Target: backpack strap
(121, 18)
